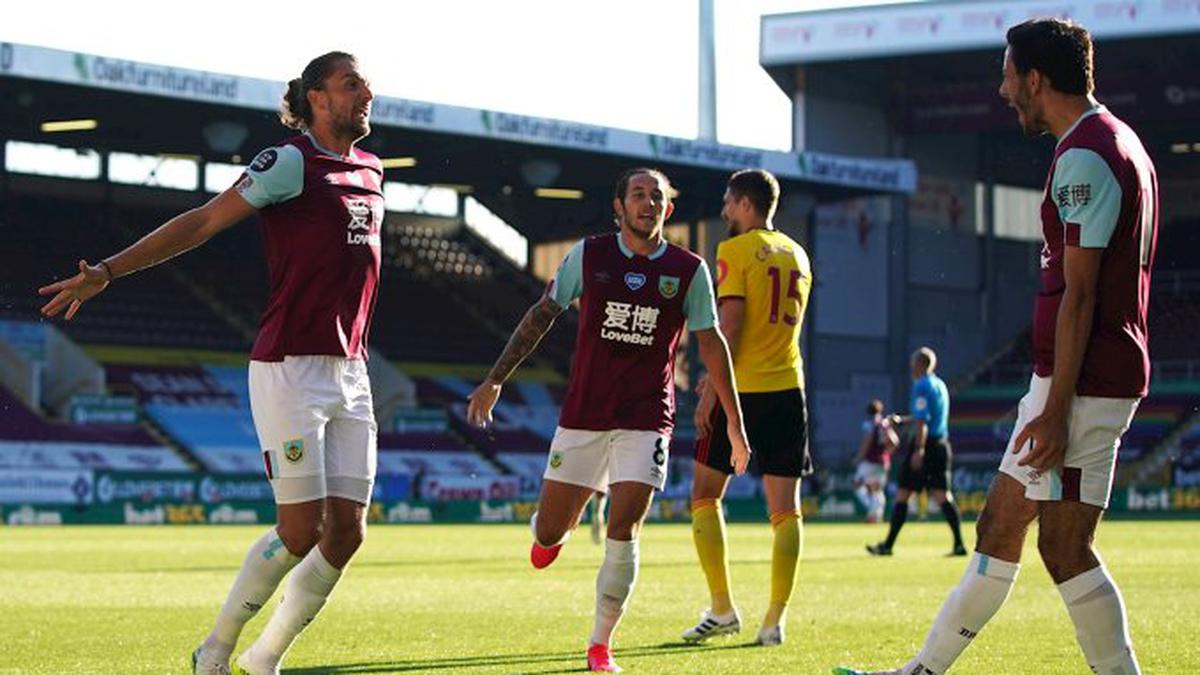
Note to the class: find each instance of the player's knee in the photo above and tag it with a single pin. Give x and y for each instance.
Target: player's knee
(300, 536)
(1065, 556)
(348, 538)
(996, 534)
(549, 533)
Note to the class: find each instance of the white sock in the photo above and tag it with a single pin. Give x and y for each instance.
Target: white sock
(267, 562)
(307, 590)
(1098, 612)
(982, 590)
(614, 584)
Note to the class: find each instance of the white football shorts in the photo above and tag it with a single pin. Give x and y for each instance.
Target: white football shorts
(1095, 427)
(316, 425)
(870, 472)
(597, 459)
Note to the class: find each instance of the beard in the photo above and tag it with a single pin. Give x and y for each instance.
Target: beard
(634, 224)
(352, 127)
(1031, 126)
(1031, 123)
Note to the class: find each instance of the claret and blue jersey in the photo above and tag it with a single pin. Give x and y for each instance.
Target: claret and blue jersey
(633, 309)
(321, 214)
(1101, 193)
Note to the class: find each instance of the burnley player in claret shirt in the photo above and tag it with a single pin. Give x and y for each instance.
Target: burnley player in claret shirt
(636, 294)
(1091, 358)
(320, 204)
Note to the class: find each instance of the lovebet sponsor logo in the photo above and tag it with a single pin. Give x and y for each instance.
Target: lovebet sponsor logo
(628, 323)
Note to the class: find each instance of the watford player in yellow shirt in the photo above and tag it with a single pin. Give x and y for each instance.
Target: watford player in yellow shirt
(763, 282)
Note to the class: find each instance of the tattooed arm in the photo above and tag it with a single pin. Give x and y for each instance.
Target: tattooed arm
(534, 325)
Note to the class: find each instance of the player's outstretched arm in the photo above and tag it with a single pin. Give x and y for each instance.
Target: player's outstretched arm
(714, 352)
(533, 327)
(181, 233)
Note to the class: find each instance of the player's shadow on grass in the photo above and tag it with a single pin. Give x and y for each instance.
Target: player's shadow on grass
(496, 660)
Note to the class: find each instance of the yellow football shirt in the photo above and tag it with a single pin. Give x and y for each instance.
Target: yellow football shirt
(771, 272)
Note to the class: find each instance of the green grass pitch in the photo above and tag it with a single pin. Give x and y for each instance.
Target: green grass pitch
(459, 598)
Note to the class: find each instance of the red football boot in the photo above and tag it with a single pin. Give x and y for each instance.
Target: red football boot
(600, 660)
(542, 556)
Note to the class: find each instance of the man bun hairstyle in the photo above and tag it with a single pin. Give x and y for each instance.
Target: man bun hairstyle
(295, 111)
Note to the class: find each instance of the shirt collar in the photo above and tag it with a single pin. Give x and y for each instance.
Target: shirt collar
(628, 252)
(1088, 113)
(322, 149)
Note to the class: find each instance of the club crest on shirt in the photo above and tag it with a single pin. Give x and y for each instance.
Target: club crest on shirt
(556, 459)
(668, 287)
(635, 280)
(294, 450)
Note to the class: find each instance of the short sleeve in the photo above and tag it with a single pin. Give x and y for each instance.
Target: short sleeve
(921, 395)
(731, 279)
(1088, 198)
(567, 284)
(699, 306)
(276, 175)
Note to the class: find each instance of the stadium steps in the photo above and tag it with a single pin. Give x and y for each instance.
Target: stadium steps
(470, 307)
(474, 447)
(159, 434)
(1155, 467)
(528, 285)
(969, 378)
(247, 328)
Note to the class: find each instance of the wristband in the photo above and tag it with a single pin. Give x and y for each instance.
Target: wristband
(107, 270)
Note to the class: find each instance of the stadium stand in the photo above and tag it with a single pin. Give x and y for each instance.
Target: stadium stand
(1186, 462)
(984, 411)
(153, 308)
(28, 441)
